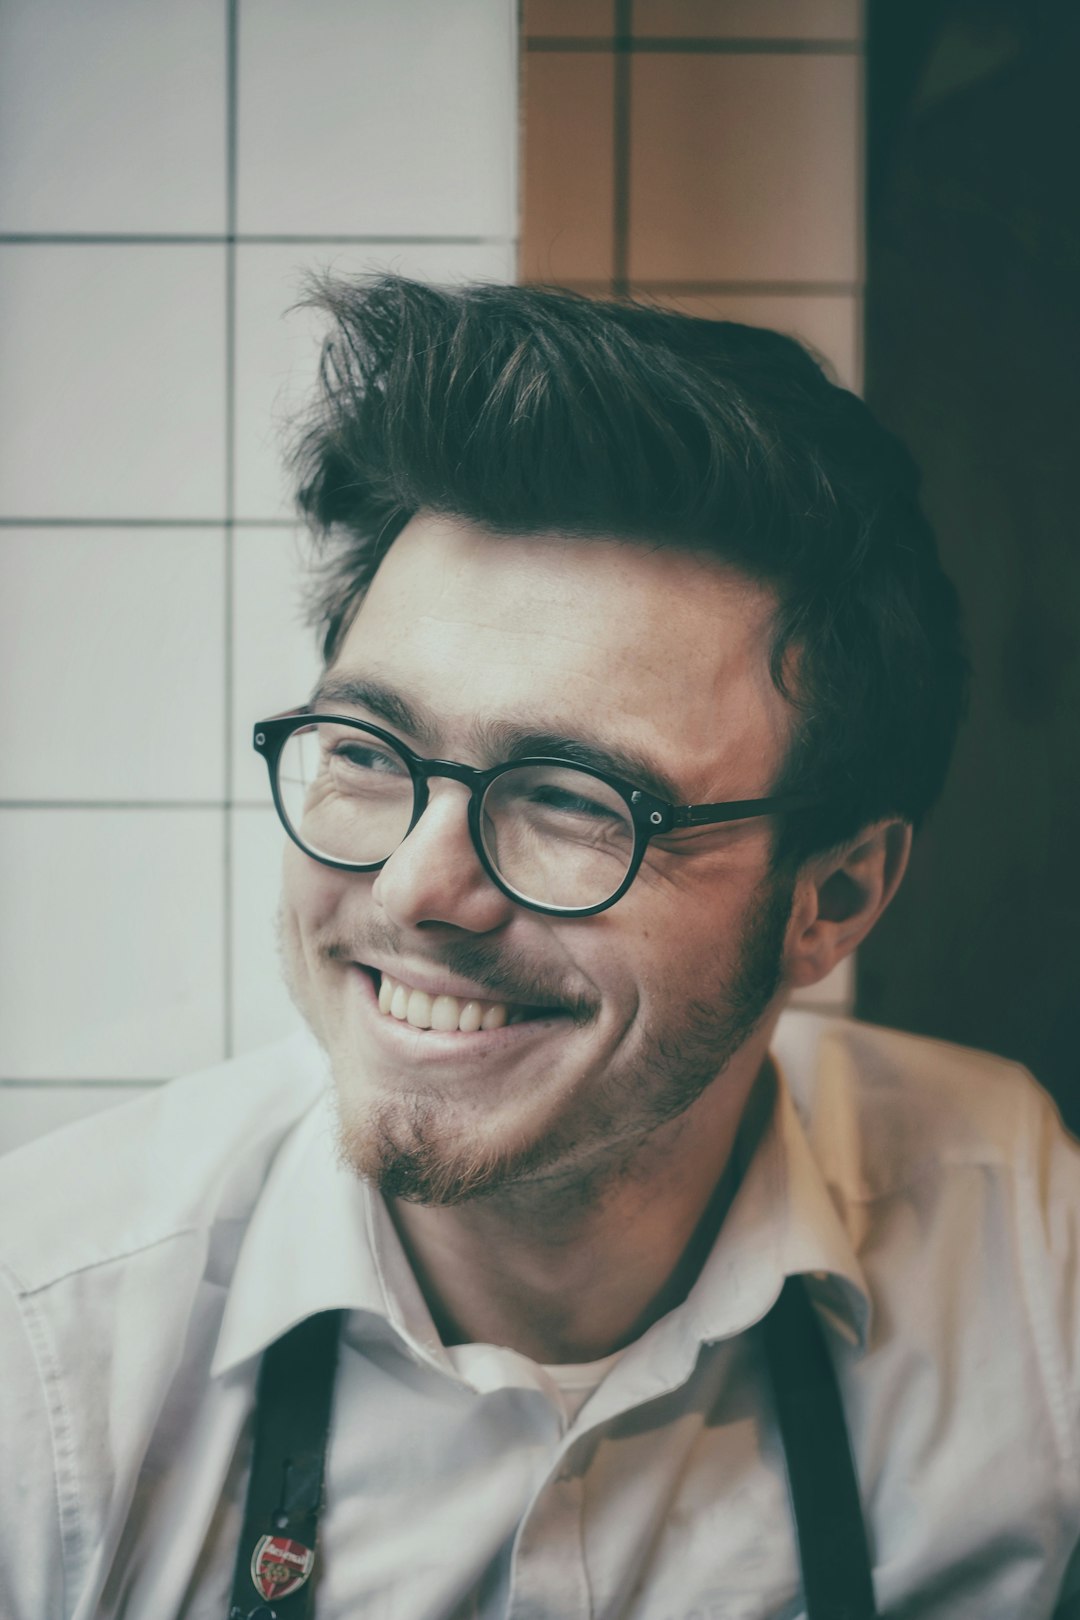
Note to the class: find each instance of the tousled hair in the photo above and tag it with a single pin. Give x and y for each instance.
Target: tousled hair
(527, 409)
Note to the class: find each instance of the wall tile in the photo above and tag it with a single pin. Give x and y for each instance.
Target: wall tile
(829, 322)
(275, 657)
(262, 1010)
(112, 116)
(112, 664)
(567, 19)
(111, 954)
(568, 167)
(377, 120)
(31, 1110)
(744, 168)
(753, 19)
(277, 345)
(113, 360)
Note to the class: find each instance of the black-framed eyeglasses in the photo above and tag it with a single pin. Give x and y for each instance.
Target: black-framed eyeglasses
(555, 836)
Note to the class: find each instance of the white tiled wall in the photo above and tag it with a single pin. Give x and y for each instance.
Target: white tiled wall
(112, 401)
(168, 173)
(112, 116)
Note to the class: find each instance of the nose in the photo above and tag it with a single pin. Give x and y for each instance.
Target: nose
(435, 876)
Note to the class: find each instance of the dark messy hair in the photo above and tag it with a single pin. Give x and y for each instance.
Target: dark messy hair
(526, 409)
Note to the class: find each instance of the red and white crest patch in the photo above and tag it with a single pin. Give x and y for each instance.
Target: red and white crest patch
(280, 1566)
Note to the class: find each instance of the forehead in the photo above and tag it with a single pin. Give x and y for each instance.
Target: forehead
(646, 646)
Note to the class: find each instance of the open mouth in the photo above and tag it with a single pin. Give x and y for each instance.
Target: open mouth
(449, 1014)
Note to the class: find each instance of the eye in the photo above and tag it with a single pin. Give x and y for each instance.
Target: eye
(574, 803)
(366, 757)
(353, 753)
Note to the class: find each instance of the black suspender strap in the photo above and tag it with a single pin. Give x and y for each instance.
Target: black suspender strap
(281, 1519)
(292, 1424)
(835, 1559)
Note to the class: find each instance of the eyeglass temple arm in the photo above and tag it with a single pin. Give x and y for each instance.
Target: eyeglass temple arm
(706, 815)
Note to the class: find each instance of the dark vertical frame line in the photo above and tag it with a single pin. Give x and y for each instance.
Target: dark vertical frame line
(620, 254)
(862, 219)
(232, 24)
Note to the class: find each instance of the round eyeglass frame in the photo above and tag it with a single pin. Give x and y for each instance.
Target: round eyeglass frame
(651, 816)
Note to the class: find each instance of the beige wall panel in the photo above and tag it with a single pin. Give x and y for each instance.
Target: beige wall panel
(567, 19)
(829, 323)
(748, 19)
(568, 167)
(744, 168)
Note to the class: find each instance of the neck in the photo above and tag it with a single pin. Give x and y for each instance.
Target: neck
(571, 1268)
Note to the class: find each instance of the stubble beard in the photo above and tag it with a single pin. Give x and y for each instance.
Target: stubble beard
(409, 1148)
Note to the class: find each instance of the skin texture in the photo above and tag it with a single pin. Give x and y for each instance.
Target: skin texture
(526, 1168)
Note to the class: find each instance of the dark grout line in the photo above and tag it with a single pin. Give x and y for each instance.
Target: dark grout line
(137, 804)
(229, 560)
(652, 45)
(620, 248)
(54, 1084)
(765, 289)
(242, 239)
(147, 523)
(115, 804)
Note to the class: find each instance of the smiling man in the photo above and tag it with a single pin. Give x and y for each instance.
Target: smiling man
(561, 1272)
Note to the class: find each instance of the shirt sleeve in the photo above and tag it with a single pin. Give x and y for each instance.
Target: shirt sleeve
(31, 1542)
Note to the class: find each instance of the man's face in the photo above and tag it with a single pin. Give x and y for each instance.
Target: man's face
(644, 652)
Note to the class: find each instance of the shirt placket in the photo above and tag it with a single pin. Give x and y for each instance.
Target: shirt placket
(548, 1577)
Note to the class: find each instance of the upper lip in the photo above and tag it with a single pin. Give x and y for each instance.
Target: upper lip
(440, 983)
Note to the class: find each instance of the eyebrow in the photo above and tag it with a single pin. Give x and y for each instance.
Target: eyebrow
(380, 700)
(510, 741)
(498, 739)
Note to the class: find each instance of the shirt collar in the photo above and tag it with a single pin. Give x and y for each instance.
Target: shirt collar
(319, 1239)
(782, 1223)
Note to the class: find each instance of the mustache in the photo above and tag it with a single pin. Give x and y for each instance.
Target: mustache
(507, 975)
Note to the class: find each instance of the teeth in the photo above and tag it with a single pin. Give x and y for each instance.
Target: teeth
(444, 1013)
(419, 1009)
(472, 1015)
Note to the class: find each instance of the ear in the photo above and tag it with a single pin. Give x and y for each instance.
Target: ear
(839, 897)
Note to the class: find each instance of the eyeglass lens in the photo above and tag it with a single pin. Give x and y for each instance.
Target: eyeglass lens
(555, 835)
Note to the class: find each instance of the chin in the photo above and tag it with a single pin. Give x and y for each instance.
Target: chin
(408, 1148)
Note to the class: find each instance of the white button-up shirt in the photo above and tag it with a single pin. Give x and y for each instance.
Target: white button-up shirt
(150, 1254)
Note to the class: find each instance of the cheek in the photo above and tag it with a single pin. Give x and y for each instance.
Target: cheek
(682, 950)
(310, 893)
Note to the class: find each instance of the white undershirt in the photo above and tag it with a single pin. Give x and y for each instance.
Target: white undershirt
(567, 1387)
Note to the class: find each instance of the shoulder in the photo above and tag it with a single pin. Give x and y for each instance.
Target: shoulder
(118, 1241)
(959, 1188)
(884, 1109)
(169, 1164)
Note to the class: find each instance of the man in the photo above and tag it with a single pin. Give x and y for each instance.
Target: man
(640, 670)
